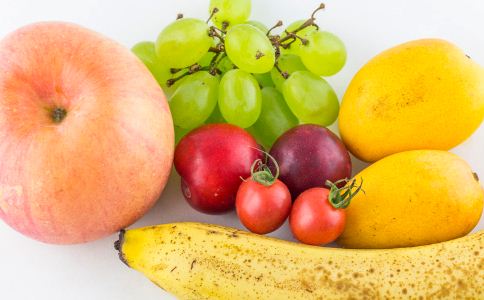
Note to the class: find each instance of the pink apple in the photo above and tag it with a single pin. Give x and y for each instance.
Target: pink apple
(86, 135)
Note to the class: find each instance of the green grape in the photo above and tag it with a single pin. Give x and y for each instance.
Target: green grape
(169, 90)
(183, 43)
(147, 54)
(145, 51)
(311, 98)
(275, 118)
(194, 99)
(289, 63)
(180, 133)
(264, 79)
(206, 59)
(258, 25)
(215, 117)
(230, 11)
(325, 53)
(239, 98)
(249, 49)
(225, 65)
(296, 45)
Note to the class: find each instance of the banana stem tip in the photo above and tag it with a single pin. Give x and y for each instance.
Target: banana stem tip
(118, 245)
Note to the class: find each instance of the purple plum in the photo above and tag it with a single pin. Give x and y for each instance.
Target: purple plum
(308, 155)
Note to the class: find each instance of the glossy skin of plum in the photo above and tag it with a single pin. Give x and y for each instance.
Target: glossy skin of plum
(211, 161)
(308, 155)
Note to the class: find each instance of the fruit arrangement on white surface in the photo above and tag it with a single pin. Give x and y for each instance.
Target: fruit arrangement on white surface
(88, 141)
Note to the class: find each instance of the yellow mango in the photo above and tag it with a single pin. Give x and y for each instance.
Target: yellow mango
(424, 94)
(413, 198)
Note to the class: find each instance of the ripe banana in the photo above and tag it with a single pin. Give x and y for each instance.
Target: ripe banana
(201, 261)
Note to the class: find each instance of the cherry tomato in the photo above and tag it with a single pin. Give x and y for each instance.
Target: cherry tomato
(263, 209)
(314, 220)
(263, 202)
(318, 215)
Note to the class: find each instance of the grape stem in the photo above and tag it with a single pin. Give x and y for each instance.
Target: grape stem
(220, 30)
(217, 49)
(295, 37)
(214, 33)
(213, 70)
(287, 45)
(307, 23)
(284, 74)
(291, 36)
(321, 7)
(179, 16)
(214, 11)
(278, 24)
(190, 70)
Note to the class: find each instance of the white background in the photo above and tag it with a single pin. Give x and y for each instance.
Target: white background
(32, 270)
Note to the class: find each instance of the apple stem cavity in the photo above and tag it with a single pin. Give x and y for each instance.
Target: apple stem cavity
(339, 199)
(58, 114)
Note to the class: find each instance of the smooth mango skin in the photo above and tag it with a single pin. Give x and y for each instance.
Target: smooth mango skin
(424, 94)
(413, 198)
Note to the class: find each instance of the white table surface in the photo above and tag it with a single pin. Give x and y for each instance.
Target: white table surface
(32, 270)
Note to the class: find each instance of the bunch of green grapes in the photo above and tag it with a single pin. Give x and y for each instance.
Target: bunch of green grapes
(232, 69)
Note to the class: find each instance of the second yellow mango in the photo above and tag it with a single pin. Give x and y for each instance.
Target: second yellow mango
(413, 198)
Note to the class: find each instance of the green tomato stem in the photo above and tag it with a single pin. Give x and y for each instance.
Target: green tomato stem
(339, 199)
(260, 171)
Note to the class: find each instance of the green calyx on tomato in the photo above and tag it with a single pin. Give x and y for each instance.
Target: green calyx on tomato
(260, 171)
(340, 199)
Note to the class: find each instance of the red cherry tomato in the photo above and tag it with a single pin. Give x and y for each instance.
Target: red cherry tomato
(263, 209)
(314, 220)
(318, 216)
(263, 202)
